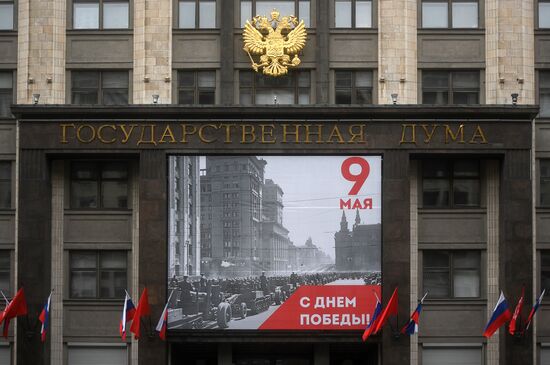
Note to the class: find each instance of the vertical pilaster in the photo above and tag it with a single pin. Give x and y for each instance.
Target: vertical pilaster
(152, 51)
(397, 55)
(322, 52)
(395, 264)
(493, 289)
(134, 283)
(56, 314)
(414, 252)
(41, 51)
(227, 72)
(509, 50)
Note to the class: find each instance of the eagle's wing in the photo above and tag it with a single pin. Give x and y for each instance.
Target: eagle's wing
(253, 39)
(296, 39)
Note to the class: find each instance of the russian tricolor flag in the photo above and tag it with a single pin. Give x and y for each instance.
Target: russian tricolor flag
(374, 319)
(534, 309)
(45, 318)
(412, 326)
(163, 321)
(127, 315)
(501, 315)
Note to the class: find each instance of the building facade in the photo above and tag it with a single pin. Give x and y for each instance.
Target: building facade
(85, 147)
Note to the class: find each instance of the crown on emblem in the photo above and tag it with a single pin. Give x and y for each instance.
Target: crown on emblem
(275, 15)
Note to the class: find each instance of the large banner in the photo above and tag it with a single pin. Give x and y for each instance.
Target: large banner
(273, 242)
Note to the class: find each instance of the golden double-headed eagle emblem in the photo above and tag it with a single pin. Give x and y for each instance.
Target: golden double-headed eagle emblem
(275, 40)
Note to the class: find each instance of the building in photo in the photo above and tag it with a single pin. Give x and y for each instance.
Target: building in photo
(139, 148)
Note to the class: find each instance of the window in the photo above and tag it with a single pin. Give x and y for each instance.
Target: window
(450, 183)
(100, 14)
(544, 14)
(256, 88)
(462, 14)
(6, 93)
(352, 14)
(6, 15)
(353, 87)
(545, 183)
(544, 93)
(450, 87)
(251, 8)
(99, 185)
(448, 355)
(5, 269)
(197, 14)
(545, 270)
(99, 87)
(545, 355)
(98, 274)
(451, 274)
(197, 87)
(5, 184)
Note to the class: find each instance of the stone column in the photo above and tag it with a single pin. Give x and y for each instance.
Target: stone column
(322, 52)
(397, 56)
(41, 51)
(152, 51)
(414, 253)
(509, 49)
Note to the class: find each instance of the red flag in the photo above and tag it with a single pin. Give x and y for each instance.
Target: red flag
(391, 309)
(512, 327)
(143, 309)
(17, 307)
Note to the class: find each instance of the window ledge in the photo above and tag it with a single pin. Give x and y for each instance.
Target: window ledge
(94, 302)
(100, 32)
(8, 32)
(353, 30)
(478, 210)
(542, 209)
(449, 31)
(542, 31)
(453, 302)
(215, 31)
(98, 211)
(7, 211)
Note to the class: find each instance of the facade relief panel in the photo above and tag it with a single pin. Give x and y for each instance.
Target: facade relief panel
(450, 321)
(98, 228)
(91, 320)
(353, 48)
(451, 49)
(7, 138)
(437, 227)
(192, 49)
(99, 49)
(8, 45)
(542, 48)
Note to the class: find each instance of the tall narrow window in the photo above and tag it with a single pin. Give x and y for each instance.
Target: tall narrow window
(100, 14)
(197, 87)
(450, 87)
(545, 270)
(289, 89)
(5, 184)
(352, 14)
(544, 14)
(298, 8)
(5, 270)
(6, 93)
(353, 87)
(544, 185)
(458, 14)
(99, 87)
(199, 14)
(6, 15)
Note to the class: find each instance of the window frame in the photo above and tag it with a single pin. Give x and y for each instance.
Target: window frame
(537, 16)
(12, 91)
(176, 7)
(98, 271)
(480, 11)
(543, 269)
(100, 87)
(10, 182)
(542, 178)
(196, 89)
(373, 18)
(295, 87)
(450, 89)
(540, 88)
(100, 26)
(354, 86)
(14, 19)
(451, 273)
(8, 270)
(296, 11)
(99, 191)
(450, 177)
